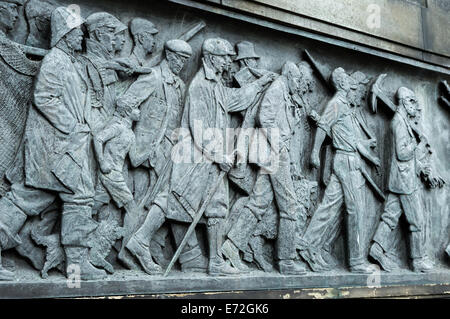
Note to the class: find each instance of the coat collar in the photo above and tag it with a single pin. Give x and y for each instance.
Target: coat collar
(167, 74)
(210, 74)
(97, 50)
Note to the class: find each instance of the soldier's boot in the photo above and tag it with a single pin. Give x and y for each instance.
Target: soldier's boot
(421, 262)
(141, 251)
(291, 267)
(328, 258)
(191, 258)
(77, 259)
(232, 253)
(139, 243)
(377, 253)
(256, 244)
(197, 264)
(286, 249)
(217, 264)
(358, 258)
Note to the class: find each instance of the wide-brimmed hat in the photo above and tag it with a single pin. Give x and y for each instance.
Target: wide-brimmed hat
(246, 50)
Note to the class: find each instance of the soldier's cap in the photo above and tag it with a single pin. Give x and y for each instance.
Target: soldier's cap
(16, 2)
(360, 77)
(120, 26)
(139, 25)
(217, 46)
(246, 50)
(36, 8)
(62, 22)
(100, 19)
(179, 47)
(405, 93)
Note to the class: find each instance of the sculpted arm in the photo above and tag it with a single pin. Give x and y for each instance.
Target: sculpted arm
(136, 158)
(404, 149)
(49, 97)
(100, 140)
(240, 99)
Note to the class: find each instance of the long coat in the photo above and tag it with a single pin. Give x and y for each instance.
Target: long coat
(160, 95)
(56, 144)
(403, 177)
(208, 103)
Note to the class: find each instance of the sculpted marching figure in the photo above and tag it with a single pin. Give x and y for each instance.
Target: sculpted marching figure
(58, 140)
(274, 181)
(204, 123)
(346, 185)
(407, 169)
(160, 95)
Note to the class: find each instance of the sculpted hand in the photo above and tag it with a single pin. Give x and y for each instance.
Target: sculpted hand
(315, 160)
(82, 128)
(314, 116)
(106, 168)
(266, 78)
(226, 164)
(426, 169)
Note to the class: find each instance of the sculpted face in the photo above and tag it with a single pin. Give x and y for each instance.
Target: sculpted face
(251, 62)
(106, 36)
(9, 13)
(294, 84)
(147, 40)
(119, 41)
(74, 39)
(219, 62)
(176, 62)
(410, 104)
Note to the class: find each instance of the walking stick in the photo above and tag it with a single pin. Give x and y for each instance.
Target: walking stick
(195, 222)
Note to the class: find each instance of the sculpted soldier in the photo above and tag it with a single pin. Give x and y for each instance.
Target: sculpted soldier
(17, 76)
(143, 34)
(249, 72)
(100, 48)
(208, 104)
(346, 185)
(160, 95)
(274, 182)
(357, 98)
(57, 142)
(38, 13)
(404, 193)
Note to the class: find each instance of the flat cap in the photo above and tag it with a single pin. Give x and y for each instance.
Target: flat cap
(179, 46)
(100, 19)
(217, 46)
(404, 93)
(139, 25)
(120, 26)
